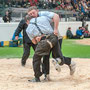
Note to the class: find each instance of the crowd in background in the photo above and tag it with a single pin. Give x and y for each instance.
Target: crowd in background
(76, 5)
(81, 6)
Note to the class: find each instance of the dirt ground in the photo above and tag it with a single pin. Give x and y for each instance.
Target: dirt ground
(15, 77)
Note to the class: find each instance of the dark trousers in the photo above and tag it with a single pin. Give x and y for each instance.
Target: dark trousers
(26, 49)
(46, 65)
(42, 49)
(67, 60)
(56, 53)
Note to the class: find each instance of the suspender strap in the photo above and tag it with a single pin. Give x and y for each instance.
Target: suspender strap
(37, 26)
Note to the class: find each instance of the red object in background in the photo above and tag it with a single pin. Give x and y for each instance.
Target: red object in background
(33, 2)
(36, 1)
(86, 31)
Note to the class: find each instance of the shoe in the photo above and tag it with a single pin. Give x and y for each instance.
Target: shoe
(72, 67)
(56, 63)
(82, 37)
(47, 77)
(23, 63)
(34, 80)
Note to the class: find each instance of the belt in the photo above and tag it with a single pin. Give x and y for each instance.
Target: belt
(44, 37)
(49, 43)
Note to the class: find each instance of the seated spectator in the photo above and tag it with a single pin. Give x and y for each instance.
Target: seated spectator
(79, 32)
(70, 35)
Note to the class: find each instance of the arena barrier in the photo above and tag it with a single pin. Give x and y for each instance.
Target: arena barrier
(11, 43)
(7, 29)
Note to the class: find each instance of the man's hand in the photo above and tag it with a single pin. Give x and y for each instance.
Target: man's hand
(16, 37)
(38, 38)
(34, 40)
(56, 32)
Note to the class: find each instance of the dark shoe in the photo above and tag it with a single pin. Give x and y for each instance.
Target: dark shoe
(47, 78)
(34, 80)
(23, 63)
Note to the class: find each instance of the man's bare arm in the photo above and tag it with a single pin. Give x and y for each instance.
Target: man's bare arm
(56, 23)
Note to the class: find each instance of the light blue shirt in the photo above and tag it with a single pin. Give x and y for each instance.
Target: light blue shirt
(43, 23)
(46, 13)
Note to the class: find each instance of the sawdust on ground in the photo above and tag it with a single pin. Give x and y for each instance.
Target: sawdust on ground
(15, 77)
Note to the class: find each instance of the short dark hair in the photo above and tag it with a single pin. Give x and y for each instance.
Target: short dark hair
(32, 8)
(69, 27)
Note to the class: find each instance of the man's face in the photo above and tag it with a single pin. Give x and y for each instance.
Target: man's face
(33, 13)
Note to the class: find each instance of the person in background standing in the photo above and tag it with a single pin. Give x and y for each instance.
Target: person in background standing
(7, 17)
(27, 43)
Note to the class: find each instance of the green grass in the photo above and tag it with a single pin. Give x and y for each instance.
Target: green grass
(12, 52)
(69, 48)
(72, 49)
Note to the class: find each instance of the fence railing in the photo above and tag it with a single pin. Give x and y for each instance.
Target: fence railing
(21, 12)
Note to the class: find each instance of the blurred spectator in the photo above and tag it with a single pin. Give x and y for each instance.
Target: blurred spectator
(24, 3)
(7, 17)
(82, 18)
(40, 4)
(86, 32)
(84, 7)
(86, 27)
(51, 4)
(33, 2)
(70, 35)
(79, 32)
